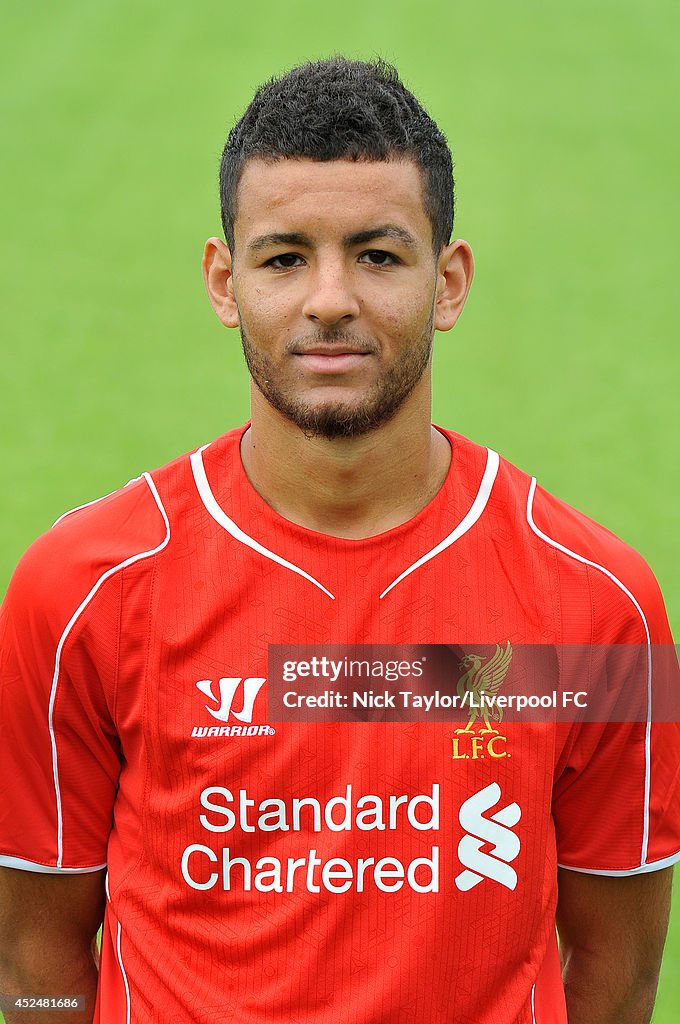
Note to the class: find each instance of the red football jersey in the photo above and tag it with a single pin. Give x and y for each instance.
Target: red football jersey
(314, 872)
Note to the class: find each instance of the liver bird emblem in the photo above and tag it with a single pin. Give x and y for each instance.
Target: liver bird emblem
(483, 678)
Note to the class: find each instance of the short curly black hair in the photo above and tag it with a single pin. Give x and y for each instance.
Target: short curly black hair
(340, 109)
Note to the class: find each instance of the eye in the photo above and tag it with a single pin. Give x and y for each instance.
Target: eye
(285, 261)
(378, 258)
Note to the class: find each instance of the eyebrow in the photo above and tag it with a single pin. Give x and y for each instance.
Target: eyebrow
(391, 231)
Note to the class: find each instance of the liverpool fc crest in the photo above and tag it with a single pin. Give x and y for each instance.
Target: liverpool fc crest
(480, 684)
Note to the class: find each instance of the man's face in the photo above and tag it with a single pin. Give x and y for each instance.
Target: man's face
(334, 278)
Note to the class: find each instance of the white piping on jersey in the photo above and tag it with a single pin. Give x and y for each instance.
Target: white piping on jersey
(468, 521)
(119, 956)
(43, 869)
(221, 517)
(88, 503)
(652, 865)
(626, 591)
(57, 664)
(533, 1006)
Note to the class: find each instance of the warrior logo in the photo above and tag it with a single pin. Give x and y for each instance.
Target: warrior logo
(228, 688)
(496, 831)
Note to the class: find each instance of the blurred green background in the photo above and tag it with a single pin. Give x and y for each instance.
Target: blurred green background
(563, 123)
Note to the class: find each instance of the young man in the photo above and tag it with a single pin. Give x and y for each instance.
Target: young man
(264, 863)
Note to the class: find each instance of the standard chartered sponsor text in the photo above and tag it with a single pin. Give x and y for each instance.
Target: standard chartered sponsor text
(204, 867)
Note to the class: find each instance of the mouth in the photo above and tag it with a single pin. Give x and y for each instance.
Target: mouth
(331, 359)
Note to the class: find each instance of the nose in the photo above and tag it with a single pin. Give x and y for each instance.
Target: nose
(331, 298)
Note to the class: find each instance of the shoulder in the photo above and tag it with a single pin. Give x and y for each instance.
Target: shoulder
(575, 535)
(620, 578)
(65, 567)
(88, 545)
(597, 575)
(105, 531)
(624, 596)
(182, 484)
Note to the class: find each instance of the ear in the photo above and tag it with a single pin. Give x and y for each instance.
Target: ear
(219, 281)
(455, 269)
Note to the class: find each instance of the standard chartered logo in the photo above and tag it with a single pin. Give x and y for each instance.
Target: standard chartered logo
(495, 830)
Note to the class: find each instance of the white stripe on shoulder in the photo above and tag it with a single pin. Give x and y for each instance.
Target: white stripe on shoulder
(221, 517)
(44, 869)
(610, 575)
(74, 618)
(468, 521)
(93, 502)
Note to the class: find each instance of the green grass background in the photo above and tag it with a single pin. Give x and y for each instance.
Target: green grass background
(563, 123)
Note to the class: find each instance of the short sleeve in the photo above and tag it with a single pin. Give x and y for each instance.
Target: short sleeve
(616, 799)
(59, 748)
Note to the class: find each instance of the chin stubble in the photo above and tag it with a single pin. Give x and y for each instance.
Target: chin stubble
(342, 419)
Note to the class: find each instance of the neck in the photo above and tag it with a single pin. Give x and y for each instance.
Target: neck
(347, 487)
